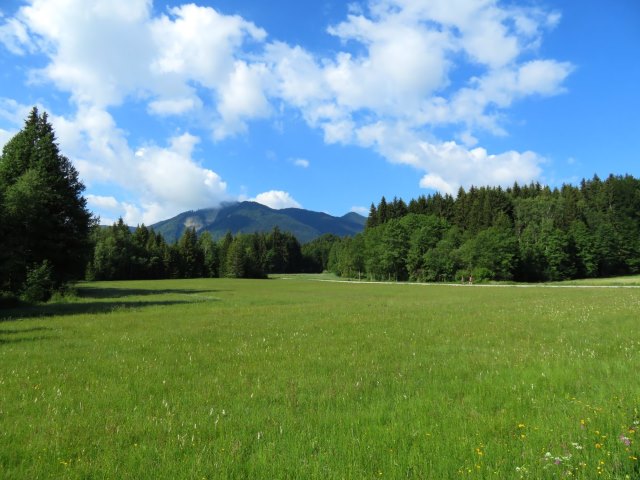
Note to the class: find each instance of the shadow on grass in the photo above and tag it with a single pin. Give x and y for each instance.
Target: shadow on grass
(9, 341)
(117, 292)
(81, 308)
(13, 331)
(11, 335)
(99, 300)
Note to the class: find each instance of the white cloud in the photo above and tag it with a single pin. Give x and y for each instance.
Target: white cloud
(199, 43)
(175, 181)
(102, 202)
(448, 165)
(174, 106)
(113, 51)
(390, 95)
(5, 136)
(160, 181)
(542, 77)
(301, 162)
(298, 77)
(276, 199)
(12, 112)
(15, 36)
(391, 77)
(241, 98)
(85, 45)
(389, 88)
(364, 211)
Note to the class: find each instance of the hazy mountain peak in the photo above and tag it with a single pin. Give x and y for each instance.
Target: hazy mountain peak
(250, 217)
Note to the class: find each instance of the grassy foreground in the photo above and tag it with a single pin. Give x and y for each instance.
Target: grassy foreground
(303, 379)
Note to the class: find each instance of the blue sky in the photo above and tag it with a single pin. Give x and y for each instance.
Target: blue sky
(168, 106)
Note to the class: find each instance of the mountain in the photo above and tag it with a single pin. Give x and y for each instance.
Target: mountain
(250, 217)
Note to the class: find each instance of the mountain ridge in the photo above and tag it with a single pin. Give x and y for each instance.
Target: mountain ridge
(251, 217)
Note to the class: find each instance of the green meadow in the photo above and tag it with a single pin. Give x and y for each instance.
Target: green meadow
(295, 378)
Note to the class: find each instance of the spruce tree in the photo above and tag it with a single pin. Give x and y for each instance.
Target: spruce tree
(372, 219)
(45, 218)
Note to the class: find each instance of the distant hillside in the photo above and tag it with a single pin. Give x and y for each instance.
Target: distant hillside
(249, 217)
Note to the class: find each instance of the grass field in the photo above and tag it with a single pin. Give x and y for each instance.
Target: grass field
(303, 379)
(632, 280)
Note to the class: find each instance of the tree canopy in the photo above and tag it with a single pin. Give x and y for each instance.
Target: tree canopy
(122, 254)
(524, 233)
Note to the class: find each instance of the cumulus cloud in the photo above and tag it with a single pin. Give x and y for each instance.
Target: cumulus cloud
(166, 56)
(395, 88)
(449, 165)
(388, 79)
(200, 43)
(389, 88)
(174, 181)
(102, 202)
(85, 45)
(174, 106)
(160, 181)
(276, 199)
(242, 98)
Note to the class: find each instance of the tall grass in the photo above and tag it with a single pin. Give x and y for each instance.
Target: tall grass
(301, 379)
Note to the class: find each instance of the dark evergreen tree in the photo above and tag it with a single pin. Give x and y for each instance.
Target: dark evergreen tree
(383, 211)
(223, 250)
(45, 218)
(191, 257)
(372, 219)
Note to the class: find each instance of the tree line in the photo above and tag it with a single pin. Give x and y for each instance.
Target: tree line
(524, 233)
(122, 254)
(527, 233)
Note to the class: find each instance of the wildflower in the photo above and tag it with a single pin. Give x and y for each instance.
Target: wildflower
(598, 445)
(625, 440)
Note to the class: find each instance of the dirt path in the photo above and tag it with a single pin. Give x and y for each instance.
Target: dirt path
(466, 285)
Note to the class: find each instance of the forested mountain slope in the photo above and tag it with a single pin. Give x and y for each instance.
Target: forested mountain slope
(251, 217)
